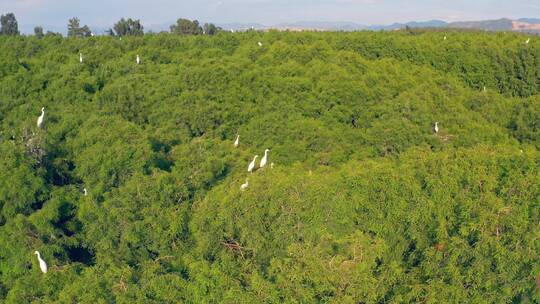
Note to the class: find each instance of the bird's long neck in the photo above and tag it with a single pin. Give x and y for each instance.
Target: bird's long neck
(255, 158)
(38, 255)
(266, 153)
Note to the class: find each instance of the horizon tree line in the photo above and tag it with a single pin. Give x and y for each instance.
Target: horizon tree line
(124, 27)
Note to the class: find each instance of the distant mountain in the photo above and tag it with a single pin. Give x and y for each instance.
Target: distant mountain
(242, 26)
(321, 25)
(488, 25)
(413, 24)
(528, 25)
(530, 20)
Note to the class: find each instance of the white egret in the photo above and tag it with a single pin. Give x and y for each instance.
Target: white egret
(264, 160)
(42, 264)
(252, 164)
(528, 40)
(41, 118)
(436, 128)
(259, 43)
(138, 59)
(444, 37)
(244, 186)
(85, 192)
(237, 141)
(80, 57)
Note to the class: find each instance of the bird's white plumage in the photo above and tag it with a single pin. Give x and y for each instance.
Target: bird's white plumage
(528, 40)
(436, 128)
(42, 264)
(444, 37)
(259, 43)
(252, 164)
(85, 192)
(41, 118)
(80, 58)
(138, 59)
(264, 160)
(237, 141)
(245, 185)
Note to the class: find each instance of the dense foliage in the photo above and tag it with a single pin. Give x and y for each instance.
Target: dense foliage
(364, 203)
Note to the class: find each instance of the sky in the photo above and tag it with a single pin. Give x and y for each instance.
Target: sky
(53, 14)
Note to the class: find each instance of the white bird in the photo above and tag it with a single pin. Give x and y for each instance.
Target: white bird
(80, 57)
(42, 264)
(138, 59)
(41, 118)
(436, 128)
(528, 40)
(265, 158)
(252, 164)
(444, 37)
(485, 90)
(85, 192)
(259, 43)
(237, 141)
(244, 186)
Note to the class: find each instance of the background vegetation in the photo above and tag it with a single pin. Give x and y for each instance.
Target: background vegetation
(365, 204)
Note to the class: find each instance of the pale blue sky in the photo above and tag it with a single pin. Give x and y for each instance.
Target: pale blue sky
(103, 13)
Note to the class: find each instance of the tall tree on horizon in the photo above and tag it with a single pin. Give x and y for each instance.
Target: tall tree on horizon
(186, 27)
(211, 29)
(9, 25)
(129, 27)
(38, 32)
(75, 29)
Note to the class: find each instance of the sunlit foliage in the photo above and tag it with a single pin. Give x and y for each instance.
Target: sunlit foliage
(364, 203)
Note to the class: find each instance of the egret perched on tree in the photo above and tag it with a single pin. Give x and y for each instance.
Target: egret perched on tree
(42, 264)
(80, 57)
(41, 118)
(244, 186)
(436, 128)
(264, 160)
(138, 59)
(237, 141)
(85, 192)
(252, 164)
(259, 43)
(528, 40)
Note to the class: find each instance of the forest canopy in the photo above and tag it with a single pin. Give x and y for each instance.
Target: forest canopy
(130, 188)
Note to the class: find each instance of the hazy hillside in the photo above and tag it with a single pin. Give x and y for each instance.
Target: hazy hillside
(361, 201)
(529, 25)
